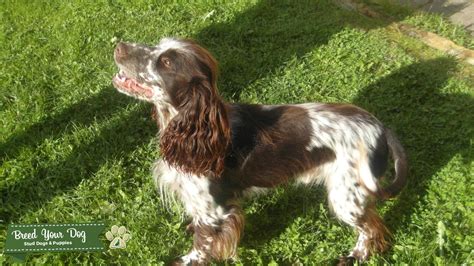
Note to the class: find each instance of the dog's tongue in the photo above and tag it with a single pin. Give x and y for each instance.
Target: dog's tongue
(131, 86)
(137, 88)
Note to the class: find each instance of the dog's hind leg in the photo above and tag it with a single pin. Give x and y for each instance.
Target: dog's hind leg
(352, 203)
(373, 235)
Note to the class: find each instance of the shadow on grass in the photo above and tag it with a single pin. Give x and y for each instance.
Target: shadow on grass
(254, 44)
(96, 108)
(50, 178)
(259, 41)
(433, 126)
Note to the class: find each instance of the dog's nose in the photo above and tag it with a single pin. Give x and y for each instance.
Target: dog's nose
(120, 50)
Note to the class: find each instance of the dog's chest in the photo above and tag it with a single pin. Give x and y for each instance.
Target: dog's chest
(194, 192)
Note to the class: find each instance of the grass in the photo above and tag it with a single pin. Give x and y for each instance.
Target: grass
(432, 22)
(74, 150)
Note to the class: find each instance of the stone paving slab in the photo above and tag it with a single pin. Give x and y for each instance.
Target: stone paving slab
(460, 12)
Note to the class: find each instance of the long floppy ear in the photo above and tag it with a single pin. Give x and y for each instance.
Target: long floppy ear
(196, 139)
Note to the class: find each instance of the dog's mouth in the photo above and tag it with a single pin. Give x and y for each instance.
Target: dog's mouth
(131, 86)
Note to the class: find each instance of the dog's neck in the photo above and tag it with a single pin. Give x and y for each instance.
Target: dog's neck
(163, 114)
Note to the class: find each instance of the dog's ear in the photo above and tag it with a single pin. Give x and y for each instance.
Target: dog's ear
(196, 139)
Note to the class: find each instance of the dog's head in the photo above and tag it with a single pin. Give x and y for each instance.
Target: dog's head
(166, 71)
(183, 74)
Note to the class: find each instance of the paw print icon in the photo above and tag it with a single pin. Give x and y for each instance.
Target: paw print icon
(118, 237)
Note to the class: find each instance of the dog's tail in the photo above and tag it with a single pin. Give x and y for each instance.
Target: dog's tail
(400, 164)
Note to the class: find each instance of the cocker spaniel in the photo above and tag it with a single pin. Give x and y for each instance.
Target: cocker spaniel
(214, 152)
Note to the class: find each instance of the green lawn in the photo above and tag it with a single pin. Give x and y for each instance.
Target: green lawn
(72, 149)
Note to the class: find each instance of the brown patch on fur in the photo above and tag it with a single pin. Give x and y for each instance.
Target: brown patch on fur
(220, 242)
(197, 138)
(321, 156)
(269, 145)
(373, 226)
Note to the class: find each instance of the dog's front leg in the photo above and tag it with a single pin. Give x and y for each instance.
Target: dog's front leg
(217, 220)
(215, 239)
(217, 225)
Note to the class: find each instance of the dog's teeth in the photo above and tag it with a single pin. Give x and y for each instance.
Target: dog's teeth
(121, 78)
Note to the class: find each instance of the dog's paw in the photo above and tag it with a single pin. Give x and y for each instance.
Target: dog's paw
(118, 237)
(194, 257)
(180, 262)
(346, 261)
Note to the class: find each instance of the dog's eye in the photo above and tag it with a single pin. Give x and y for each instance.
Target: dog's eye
(166, 61)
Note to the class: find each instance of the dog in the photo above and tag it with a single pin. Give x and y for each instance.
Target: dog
(215, 152)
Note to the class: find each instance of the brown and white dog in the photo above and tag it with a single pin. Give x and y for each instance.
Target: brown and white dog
(214, 152)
